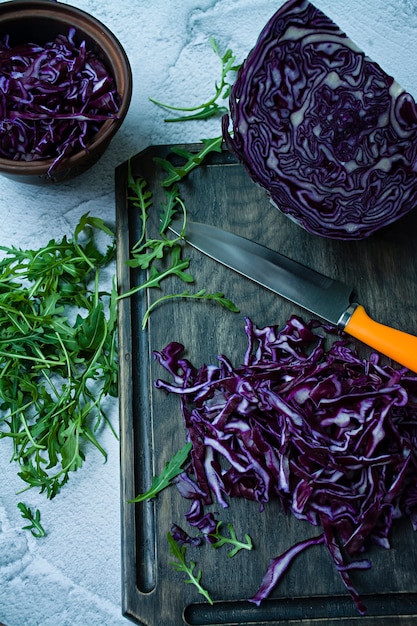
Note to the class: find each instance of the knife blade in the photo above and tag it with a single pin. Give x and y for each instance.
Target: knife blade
(322, 296)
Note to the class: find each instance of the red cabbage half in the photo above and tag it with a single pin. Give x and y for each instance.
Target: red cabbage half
(328, 134)
(53, 98)
(331, 436)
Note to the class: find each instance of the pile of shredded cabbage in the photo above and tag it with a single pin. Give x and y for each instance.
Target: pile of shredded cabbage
(53, 98)
(331, 435)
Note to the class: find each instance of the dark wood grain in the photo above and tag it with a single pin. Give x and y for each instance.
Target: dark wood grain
(383, 271)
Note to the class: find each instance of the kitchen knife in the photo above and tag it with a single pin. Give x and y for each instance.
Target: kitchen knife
(322, 296)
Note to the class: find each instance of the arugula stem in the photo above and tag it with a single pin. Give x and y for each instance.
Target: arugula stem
(199, 295)
(26, 428)
(222, 89)
(17, 412)
(81, 252)
(26, 357)
(96, 288)
(204, 105)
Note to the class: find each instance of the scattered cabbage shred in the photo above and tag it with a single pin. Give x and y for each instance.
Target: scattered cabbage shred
(53, 98)
(320, 126)
(329, 435)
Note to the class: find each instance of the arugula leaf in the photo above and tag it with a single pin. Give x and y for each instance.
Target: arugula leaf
(94, 222)
(222, 90)
(193, 159)
(199, 295)
(152, 250)
(141, 199)
(172, 469)
(92, 329)
(177, 267)
(180, 565)
(35, 525)
(173, 203)
(222, 540)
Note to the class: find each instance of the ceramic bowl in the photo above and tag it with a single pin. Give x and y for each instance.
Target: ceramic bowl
(40, 21)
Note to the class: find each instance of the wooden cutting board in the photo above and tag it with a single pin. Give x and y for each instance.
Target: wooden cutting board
(383, 271)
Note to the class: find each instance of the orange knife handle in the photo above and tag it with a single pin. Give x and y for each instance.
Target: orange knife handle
(395, 344)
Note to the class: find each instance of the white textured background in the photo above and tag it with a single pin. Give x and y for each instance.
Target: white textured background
(72, 577)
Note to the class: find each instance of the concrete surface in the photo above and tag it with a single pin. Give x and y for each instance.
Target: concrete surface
(72, 577)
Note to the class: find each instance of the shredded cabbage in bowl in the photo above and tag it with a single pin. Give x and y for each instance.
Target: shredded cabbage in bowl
(53, 98)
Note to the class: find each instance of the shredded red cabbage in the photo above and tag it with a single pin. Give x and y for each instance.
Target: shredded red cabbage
(53, 98)
(319, 125)
(330, 435)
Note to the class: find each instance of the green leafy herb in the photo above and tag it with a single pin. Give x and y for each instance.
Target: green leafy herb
(172, 469)
(35, 525)
(180, 565)
(177, 267)
(192, 160)
(232, 539)
(200, 295)
(58, 354)
(147, 251)
(222, 91)
(141, 199)
(169, 209)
